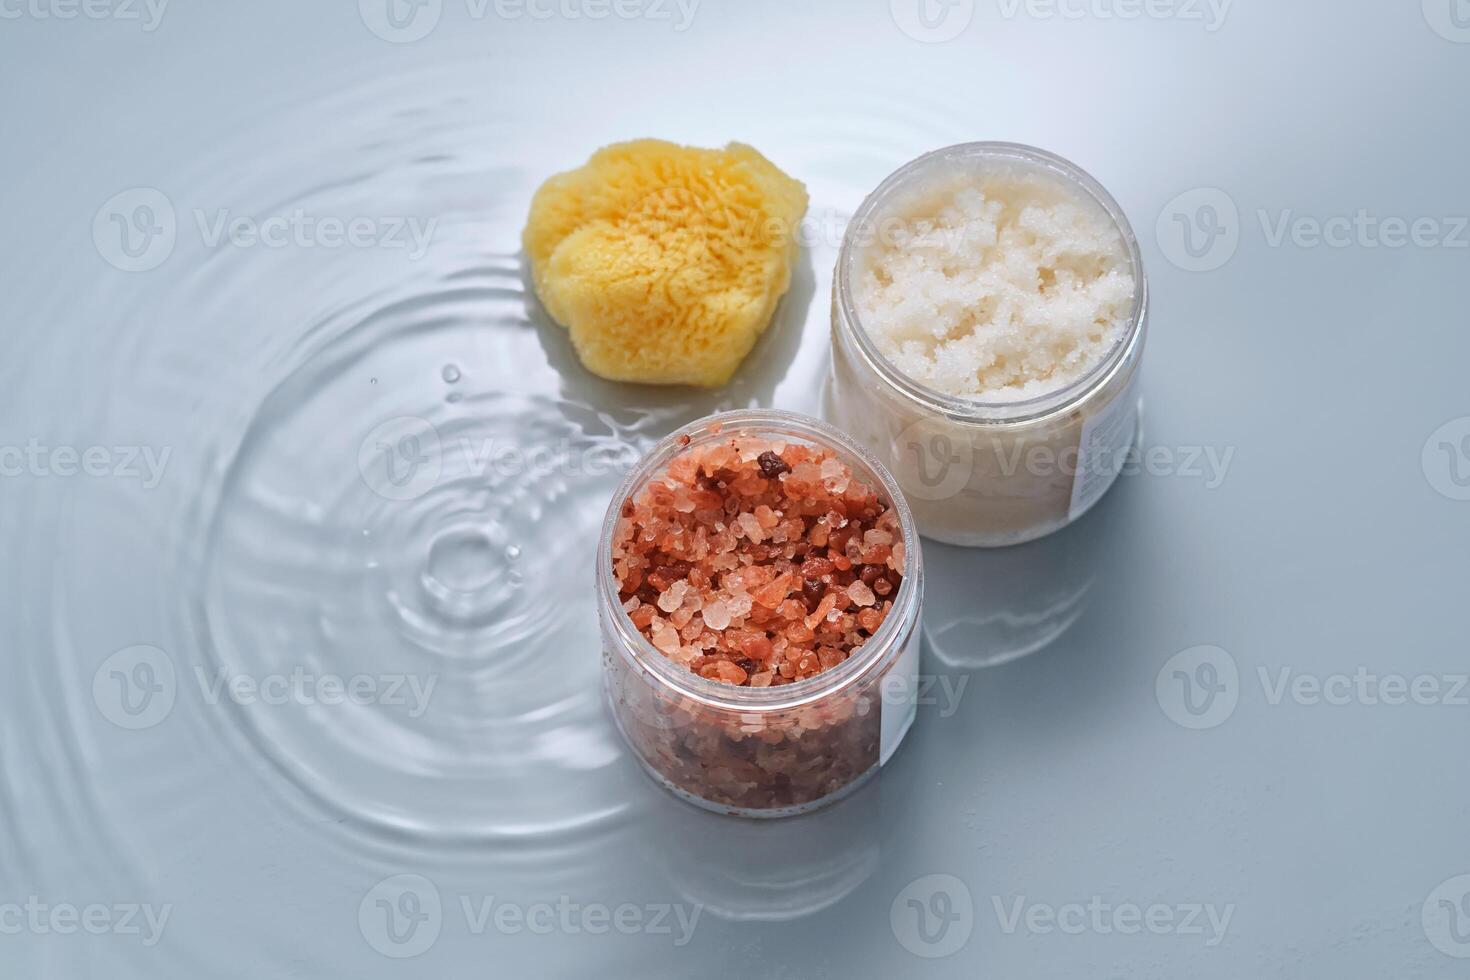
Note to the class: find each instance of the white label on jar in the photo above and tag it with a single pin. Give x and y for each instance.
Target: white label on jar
(1106, 438)
(899, 697)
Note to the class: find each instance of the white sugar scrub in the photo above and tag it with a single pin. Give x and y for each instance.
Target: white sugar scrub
(989, 307)
(1004, 285)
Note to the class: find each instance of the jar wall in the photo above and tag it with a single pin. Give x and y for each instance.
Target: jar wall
(786, 748)
(759, 763)
(985, 484)
(985, 472)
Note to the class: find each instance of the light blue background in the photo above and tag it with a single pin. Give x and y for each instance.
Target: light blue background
(1332, 543)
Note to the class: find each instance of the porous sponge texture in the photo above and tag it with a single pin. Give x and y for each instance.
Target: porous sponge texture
(665, 262)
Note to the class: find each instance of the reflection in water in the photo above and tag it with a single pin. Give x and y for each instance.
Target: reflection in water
(768, 870)
(988, 606)
(985, 607)
(383, 467)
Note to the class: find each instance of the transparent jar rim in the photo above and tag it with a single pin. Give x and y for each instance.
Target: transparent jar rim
(880, 649)
(978, 410)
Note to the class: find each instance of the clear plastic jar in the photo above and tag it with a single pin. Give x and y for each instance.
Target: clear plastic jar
(986, 473)
(771, 751)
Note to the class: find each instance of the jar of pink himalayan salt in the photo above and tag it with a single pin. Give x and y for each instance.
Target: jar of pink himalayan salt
(777, 750)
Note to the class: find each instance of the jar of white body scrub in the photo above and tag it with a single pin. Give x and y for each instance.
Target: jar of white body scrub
(988, 318)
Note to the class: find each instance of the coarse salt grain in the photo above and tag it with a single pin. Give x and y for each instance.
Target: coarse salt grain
(780, 594)
(1005, 285)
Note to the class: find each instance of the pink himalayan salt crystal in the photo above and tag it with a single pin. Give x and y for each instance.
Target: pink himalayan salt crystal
(835, 476)
(673, 598)
(768, 558)
(751, 527)
(665, 637)
(876, 536)
(717, 615)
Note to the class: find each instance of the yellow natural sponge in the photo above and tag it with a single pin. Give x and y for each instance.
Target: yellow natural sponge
(665, 261)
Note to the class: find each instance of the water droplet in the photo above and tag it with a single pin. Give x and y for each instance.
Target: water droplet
(512, 551)
(454, 397)
(451, 373)
(372, 381)
(515, 579)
